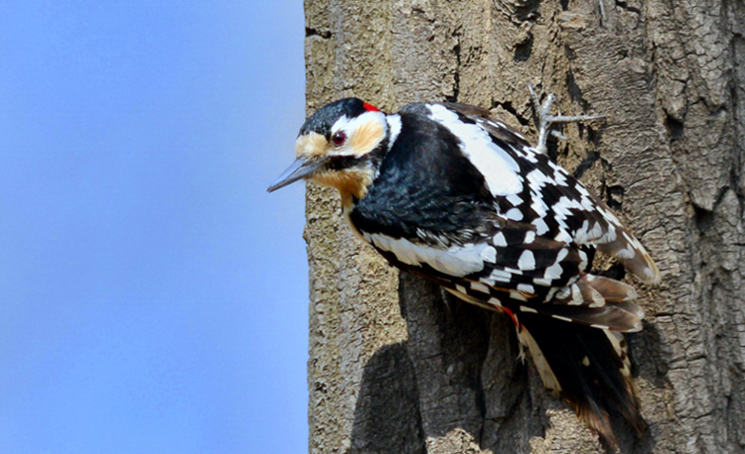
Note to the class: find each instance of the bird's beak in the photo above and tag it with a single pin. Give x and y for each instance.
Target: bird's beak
(299, 169)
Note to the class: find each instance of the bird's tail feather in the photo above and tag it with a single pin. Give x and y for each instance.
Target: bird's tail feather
(586, 366)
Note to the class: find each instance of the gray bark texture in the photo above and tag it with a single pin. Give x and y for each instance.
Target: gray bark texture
(395, 366)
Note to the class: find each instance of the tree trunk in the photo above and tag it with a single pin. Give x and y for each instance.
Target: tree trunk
(395, 366)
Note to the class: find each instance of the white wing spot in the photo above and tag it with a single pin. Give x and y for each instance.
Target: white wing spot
(500, 275)
(563, 236)
(515, 295)
(479, 287)
(526, 262)
(540, 226)
(514, 199)
(500, 240)
(543, 282)
(538, 178)
(514, 214)
(553, 272)
(526, 288)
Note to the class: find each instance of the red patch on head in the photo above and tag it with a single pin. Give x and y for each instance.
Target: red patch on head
(370, 107)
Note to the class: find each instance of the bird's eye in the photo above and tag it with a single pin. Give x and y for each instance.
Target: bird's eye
(338, 138)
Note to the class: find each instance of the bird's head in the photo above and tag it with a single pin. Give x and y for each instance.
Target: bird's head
(340, 146)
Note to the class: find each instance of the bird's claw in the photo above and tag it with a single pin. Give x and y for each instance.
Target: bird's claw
(546, 120)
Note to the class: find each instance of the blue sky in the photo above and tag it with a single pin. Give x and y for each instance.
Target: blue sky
(153, 296)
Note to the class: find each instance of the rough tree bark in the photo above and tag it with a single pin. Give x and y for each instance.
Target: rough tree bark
(396, 367)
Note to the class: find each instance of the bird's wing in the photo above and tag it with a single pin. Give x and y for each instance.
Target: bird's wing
(557, 203)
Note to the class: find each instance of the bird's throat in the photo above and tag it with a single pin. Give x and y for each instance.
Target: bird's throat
(352, 183)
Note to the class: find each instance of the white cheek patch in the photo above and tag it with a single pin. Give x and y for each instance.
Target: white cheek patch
(457, 261)
(500, 170)
(363, 132)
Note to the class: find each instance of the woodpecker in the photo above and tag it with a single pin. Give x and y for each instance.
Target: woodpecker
(445, 191)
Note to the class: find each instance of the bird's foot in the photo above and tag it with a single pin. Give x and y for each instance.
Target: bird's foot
(546, 120)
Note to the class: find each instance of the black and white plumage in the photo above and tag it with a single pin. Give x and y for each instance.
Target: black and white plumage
(465, 201)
